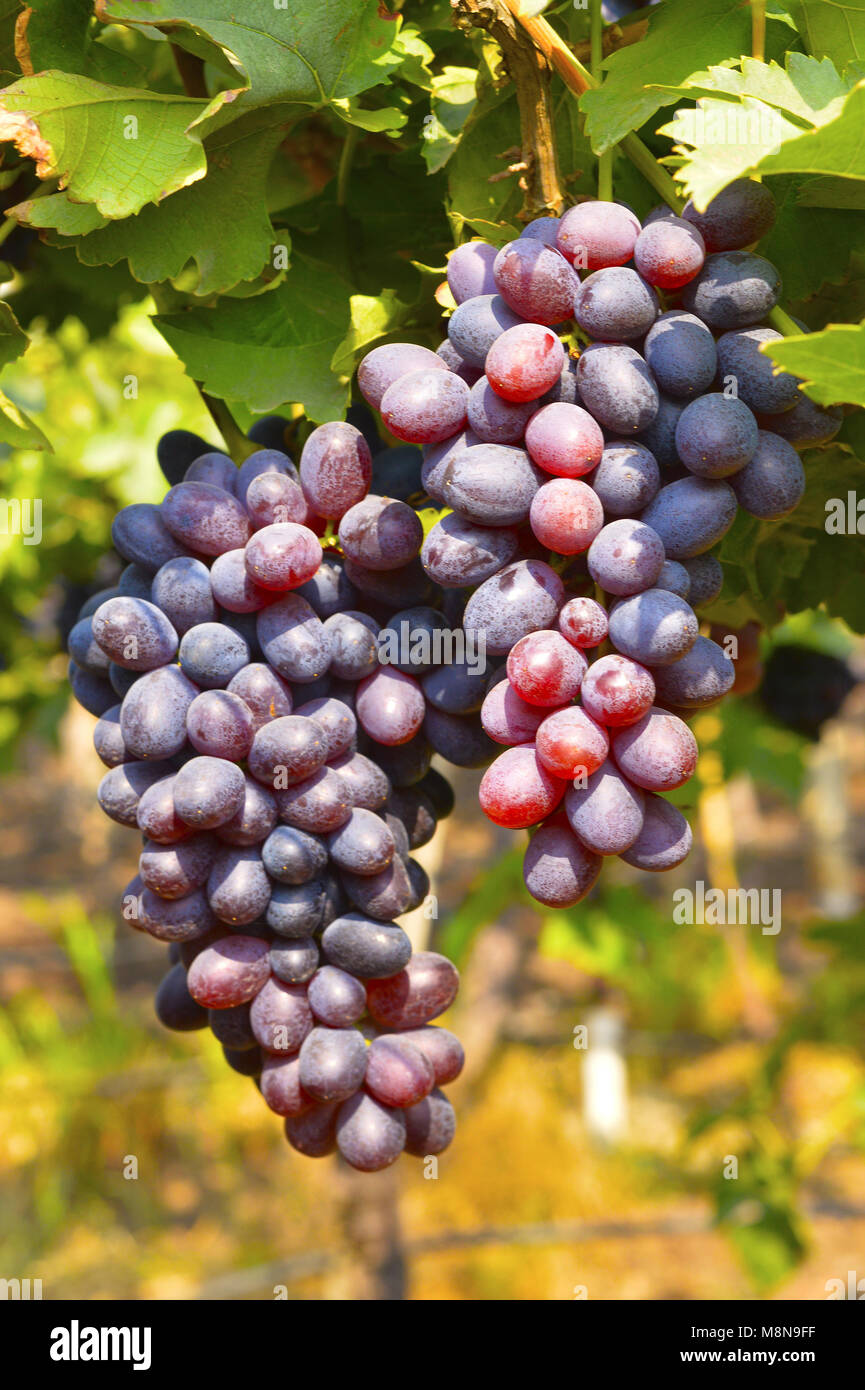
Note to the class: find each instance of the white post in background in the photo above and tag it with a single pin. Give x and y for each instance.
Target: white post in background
(605, 1076)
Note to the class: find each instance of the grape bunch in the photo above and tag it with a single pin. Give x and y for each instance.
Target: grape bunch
(279, 774)
(583, 492)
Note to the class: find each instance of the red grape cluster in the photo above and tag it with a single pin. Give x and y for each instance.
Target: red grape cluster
(584, 493)
(280, 777)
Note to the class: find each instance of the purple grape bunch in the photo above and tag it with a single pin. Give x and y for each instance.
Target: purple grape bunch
(583, 493)
(279, 772)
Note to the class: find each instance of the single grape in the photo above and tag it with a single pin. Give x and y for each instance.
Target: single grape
(470, 270)
(335, 468)
(140, 535)
(205, 518)
(363, 845)
(182, 589)
(232, 1027)
(772, 483)
(517, 791)
(380, 534)
(176, 919)
(414, 809)
(155, 813)
(397, 472)
(536, 281)
(617, 691)
(566, 515)
(293, 856)
(658, 753)
(176, 450)
(425, 407)
(175, 1007)
(320, 803)
(617, 387)
(706, 577)
(519, 599)
(654, 627)
(456, 688)
(260, 464)
(382, 896)
(496, 421)
(134, 582)
(583, 622)
(385, 365)
(596, 234)
(172, 871)
(703, 675)
(335, 997)
(545, 229)
(369, 1135)
(570, 743)
(691, 515)
(741, 361)
(154, 712)
(429, 1126)
(220, 724)
(329, 590)
(564, 440)
(626, 479)
(133, 633)
(298, 910)
(546, 670)
(524, 362)
(281, 1088)
(716, 435)
(681, 354)
(806, 425)
(735, 289)
(390, 706)
(108, 739)
(491, 484)
(215, 468)
(313, 1133)
(367, 784)
(280, 1016)
(420, 992)
(669, 253)
(615, 305)
(659, 436)
(448, 353)
(558, 870)
(293, 639)
(238, 888)
(459, 553)
(332, 1063)
(208, 792)
(230, 972)
(740, 214)
(509, 719)
(675, 578)
(626, 556)
(211, 654)
(665, 839)
(397, 1072)
(605, 811)
(365, 948)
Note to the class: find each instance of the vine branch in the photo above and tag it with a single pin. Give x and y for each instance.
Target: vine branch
(531, 77)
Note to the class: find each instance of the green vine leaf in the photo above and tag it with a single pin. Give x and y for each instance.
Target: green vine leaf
(836, 29)
(272, 349)
(831, 363)
(683, 37)
(311, 51)
(59, 34)
(116, 147)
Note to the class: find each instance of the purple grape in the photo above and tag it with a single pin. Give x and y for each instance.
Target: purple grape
(181, 588)
(615, 305)
(319, 804)
(390, 706)
(491, 484)
(398, 1073)
(284, 1095)
(735, 289)
(211, 654)
(208, 792)
(519, 599)
(214, 468)
(313, 1133)
(441, 1048)
(262, 462)
(494, 420)
(253, 822)
(716, 435)
(706, 578)
(367, 784)
(139, 534)
(617, 387)
(626, 557)
(740, 214)
(536, 281)
(363, 845)
(175, 1007)
(335, 468)
(332, 1063)
(419, 993)
(772, 483)
(108, 739)
(675, 578)
(295, 961)
(425, 407)
(806, 425)
(369, 1136)
(280, 1016)
(176, 919)
(329, 591)
(429, 1126)
(606, 815)
(470, 270)
(385, 365)
(626, 479)
(172, 871)
(336, 998)
(477, 323)
(657, 753)
(691, 515)
(681, 354)
(238, 888)
(153, 714)
(287, 750)
(380, 534)
(293, 856)
(353, 646)
(205, 518)
(703, 675)
(654, 627)
(558, 870)
(740, 360)
(220, 724)
(264, 693)
(366, 948)
(293, 639)
(134, 634)
(458, 553)
(233, 586)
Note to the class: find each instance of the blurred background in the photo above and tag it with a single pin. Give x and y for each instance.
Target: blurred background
(710, 1144)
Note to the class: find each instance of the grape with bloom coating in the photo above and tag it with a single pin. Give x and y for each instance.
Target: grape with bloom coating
(564, 439)
(605, 811)
(335, 468)
(386, 364)
(658, 752)
(536, 281)
(425, 407)
(617, 691)
(508, 718)
(390, 706)
(519, 599)
(566, 515)
(595, 234)
(517, 791)
(583, 622)
(524, 362)
(558, 870)
(626, 557)
(570, 742)
(545, 670)
(669, 252)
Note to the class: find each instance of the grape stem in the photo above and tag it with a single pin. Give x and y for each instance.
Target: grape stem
(783, 324)
(758, 29)
(605, 160)
(239, 447)
(539, 176)
(578, 79)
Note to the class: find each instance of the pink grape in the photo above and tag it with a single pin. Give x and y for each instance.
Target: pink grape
(230, 972)
(569, 741)
(524, 362)
(516, 790)
(390, 706)
(564, 440)
(508, 718)
(385, 365)
(335, 469)
(597, 234)
(617, 691)
(566, 515)
(546, 670)
(283, 556)
(425, 407)
(583, 622)
(658, 753)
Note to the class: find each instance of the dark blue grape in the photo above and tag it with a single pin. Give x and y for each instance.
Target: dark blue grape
(617, 387)
(681, 354)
